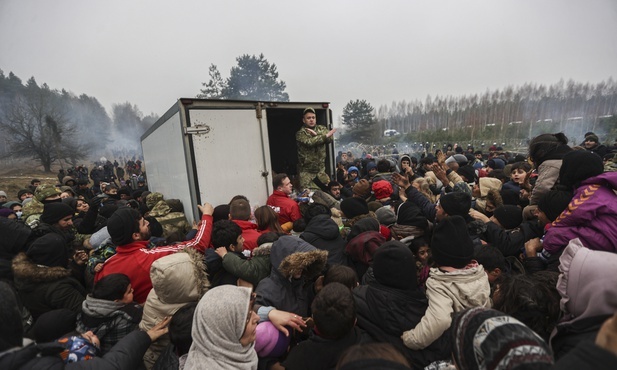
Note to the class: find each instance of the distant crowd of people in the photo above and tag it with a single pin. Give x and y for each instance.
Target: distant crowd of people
(454, 259)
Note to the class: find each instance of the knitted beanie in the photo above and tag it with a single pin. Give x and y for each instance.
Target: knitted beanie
(370, 166)
(508, 216)
(386, 216)
(22, 192)
(488, 339)
(352, 207)
(577, 166)
(468, 172)
(374, 205)
(592, 137)
(554, 202)
(496, 163)
(54, 212)
(121, 225)
(362, 188)
(456, 203)
(395, 266)
(382, 189)
(451, 244)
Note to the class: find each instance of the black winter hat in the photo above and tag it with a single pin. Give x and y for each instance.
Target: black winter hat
(22, 192)
(577, 166)
(469, 172)
(456, 203)
(554, 202)
(54, 212)
(451, 244)
(509, 216)
(121, 225)
(395, 266)
(352, 207)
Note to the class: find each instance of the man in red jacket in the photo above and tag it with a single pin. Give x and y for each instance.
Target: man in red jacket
(286, 208)
(131, 232)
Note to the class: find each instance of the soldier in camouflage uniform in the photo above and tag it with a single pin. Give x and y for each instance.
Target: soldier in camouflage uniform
(174, 223)
(312, 140)
(43, 194)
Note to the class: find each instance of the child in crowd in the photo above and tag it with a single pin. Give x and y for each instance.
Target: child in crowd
(457, 282)
(226, 235)
(422, 252)
(109, 312)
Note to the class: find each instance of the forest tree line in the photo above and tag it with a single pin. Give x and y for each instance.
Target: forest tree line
(508, 115)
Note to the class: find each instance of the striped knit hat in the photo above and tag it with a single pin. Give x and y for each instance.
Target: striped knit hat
(487, 339)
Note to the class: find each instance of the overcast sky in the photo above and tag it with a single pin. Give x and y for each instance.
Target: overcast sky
(151, 52)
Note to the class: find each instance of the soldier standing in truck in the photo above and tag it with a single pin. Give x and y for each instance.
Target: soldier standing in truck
(312, 140)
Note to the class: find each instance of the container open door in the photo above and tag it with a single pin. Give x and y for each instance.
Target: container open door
(230, 150)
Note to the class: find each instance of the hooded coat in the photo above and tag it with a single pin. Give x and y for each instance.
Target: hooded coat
(218, 325)
(588, 295)
(177, 279)
(448, 292)
(42, 288)
(487, 184)
(290, 256)
(323, 233)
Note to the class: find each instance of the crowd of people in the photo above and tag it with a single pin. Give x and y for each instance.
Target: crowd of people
(454, 259)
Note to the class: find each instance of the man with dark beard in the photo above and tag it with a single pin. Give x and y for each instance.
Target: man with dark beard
(130, 232)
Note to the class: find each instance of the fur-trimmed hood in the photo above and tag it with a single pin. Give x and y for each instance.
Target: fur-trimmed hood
(26, 270)
(290, 255)
(180, 277)
(263, 250)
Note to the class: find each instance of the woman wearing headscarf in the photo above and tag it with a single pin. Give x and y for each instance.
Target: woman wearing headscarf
(224, 328)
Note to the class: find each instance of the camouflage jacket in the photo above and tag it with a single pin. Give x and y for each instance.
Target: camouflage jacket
(172, 222)
(312, 149)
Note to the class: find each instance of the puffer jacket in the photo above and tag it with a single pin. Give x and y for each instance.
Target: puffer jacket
(177, 279)
(323, 233)
(172, 222)
(448, 292)
(591, 217)
(252, 270)
(43, 288)
(384, 312)
(288, 257)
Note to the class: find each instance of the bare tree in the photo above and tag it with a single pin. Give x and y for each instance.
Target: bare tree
(38, 129)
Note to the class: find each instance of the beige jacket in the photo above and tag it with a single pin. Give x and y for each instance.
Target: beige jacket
(448, 292)
(177, 279)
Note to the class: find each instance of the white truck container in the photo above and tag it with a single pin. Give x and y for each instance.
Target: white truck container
(205, 150)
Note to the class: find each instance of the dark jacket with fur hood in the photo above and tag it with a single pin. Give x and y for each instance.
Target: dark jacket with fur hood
(323, 233)
(290, 256)
(43, 288)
